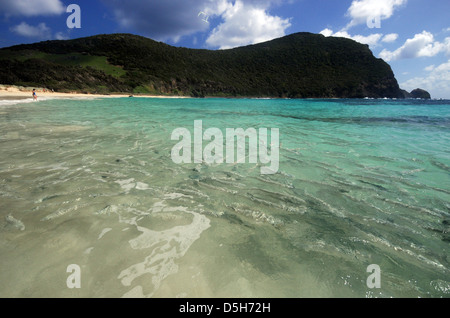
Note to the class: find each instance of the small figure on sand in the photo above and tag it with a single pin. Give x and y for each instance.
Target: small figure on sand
(34, 95)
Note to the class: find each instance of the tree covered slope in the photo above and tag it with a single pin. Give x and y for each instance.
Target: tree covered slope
(300, 65)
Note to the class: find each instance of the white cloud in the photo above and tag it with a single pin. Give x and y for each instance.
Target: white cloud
(241, 22)
(389, 38)
(422, 45)
(437, 82)
(447, 46)
(371, 40)
(362, 10)
(30, 8)
(246, 23)
(327, 32)
(41, 31)
(61, 36)
(429, 68)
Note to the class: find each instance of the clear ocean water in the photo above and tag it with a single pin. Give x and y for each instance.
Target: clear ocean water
(91, 182)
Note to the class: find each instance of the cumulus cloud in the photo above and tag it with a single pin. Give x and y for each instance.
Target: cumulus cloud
(243, 21)
(371, 40)
(389, 38)
(327, 32)
(246, 24)
(421, 45)
(362, 10)
(437, 81)
(41, 31)
(30, 8)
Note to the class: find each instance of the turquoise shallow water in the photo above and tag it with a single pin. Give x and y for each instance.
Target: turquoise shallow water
(92, 183)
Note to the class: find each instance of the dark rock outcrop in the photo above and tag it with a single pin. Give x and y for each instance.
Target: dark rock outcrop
(420, 93)
(404, 94)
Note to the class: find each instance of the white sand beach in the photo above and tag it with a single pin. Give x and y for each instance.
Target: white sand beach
(8, 92)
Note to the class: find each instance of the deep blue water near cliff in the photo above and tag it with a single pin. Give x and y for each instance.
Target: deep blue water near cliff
(91, 182)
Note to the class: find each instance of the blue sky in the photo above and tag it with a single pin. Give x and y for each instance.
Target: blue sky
(413, 36)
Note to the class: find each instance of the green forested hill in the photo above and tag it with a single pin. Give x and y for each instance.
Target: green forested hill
(298, 66)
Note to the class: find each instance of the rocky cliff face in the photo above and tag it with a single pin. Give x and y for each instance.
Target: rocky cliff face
(301, 65)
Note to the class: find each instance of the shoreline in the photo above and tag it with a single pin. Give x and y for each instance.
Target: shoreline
(15, 93)
(19, 93)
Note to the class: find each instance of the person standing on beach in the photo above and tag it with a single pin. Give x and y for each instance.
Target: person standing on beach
(34, 95)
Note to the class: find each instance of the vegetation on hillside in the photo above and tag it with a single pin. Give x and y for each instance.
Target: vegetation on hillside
(300, 65)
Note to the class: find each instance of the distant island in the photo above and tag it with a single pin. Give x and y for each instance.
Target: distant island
(417, 93)
(300, 65)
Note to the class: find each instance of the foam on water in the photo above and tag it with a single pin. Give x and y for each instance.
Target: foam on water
(167, 247)
(11, 222)
(10, 102)
(100, 236)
